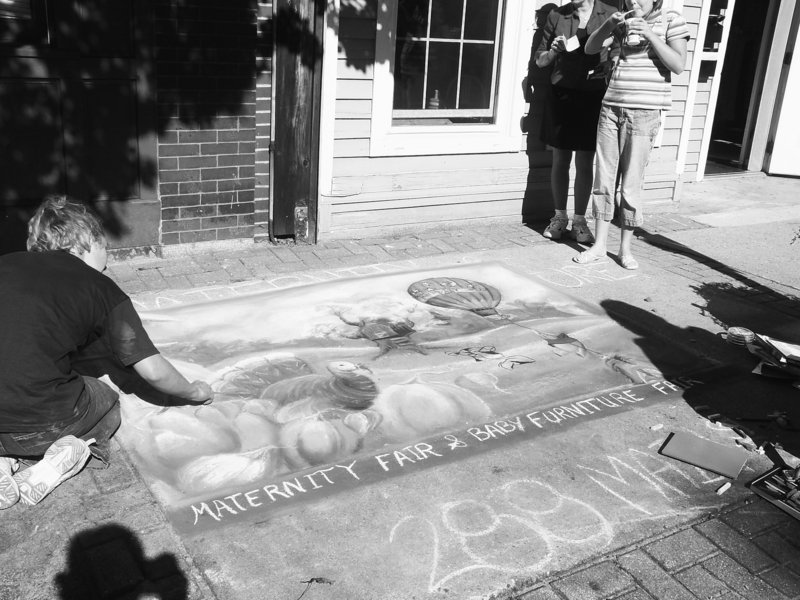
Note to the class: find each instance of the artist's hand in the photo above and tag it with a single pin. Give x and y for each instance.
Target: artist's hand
(201, 393)
(559, 44)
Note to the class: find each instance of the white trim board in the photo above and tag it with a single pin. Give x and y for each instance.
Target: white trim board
(502, 136)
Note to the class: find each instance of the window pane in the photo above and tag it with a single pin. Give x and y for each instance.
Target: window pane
(442, 74)
(15, 9)
(412, 18)
(446, 18)
(409, 74)
(476, 76)
(481, 20)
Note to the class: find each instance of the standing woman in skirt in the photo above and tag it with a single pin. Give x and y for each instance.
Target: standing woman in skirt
(578, 83)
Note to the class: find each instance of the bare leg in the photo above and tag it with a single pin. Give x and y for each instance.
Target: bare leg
(559, 178)
(598, 249)
(583, 179)
(626, 258)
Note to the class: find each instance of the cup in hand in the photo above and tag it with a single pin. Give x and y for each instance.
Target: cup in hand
(632, 39)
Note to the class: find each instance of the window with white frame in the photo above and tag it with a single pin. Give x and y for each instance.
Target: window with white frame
(446, 61)
(447, 76)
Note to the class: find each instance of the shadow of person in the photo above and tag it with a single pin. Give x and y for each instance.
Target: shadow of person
(730, 393)
(536, 203)
(108, 563)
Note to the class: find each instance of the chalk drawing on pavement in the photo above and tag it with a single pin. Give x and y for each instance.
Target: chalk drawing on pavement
(311, 378)
(465, 532)
(527, 527)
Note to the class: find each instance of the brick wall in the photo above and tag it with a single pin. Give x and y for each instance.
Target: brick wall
(206, 89)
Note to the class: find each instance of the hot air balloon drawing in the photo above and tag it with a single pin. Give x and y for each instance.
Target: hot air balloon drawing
(452, 292)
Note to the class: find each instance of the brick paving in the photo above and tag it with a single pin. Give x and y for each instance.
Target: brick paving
(241, 262)
(751, 551)
(124, 547)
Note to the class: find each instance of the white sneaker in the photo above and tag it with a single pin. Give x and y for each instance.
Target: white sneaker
(9, 491)
(61, 461)
(582, 233)
(556, 228)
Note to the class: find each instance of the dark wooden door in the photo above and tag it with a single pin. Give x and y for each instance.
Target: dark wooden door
(75, 115)
(295, 139)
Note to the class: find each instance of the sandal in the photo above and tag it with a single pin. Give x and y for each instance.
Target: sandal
(628, 262)
(588, 257)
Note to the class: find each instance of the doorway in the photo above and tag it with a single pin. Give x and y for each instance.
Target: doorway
(739, 89)
(77, 115)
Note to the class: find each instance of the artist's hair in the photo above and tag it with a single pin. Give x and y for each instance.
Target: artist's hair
(62, 224)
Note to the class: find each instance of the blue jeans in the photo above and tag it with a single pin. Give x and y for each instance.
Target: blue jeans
(625, 137)
(100, 421)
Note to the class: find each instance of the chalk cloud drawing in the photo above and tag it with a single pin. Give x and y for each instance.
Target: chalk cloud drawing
(311, 375)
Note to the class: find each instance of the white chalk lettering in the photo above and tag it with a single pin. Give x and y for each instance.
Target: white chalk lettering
(551, 417)
(659, 387)
(671, 386)
(290, 487)
(382, 462)
(588, 401)
(401, 457)
(233, 499)
(497, 429)
(478, 434)
(534, 420)
(253, 501)
(425, 450)
(220, 506)
(619, 398)
(605, 401)
(349, 469)
(271, 489)
(421, 451)
(310, 478)
(632, 396)
(203, 510)
(494, 430)
(324, 474)
(574, 410)
(454, 442)
(561, 412)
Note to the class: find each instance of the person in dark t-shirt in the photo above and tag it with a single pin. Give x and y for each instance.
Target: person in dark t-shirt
(63, 324)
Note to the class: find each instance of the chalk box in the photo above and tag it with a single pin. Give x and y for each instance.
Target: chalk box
(759, 487)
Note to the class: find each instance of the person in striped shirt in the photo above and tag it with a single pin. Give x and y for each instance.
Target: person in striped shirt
(652, 45)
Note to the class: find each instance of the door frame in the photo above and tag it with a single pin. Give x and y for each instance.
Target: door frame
(781, 66)
(305, 217)
(784, 13)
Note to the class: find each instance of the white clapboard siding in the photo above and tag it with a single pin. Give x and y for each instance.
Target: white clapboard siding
(390, 164)
(353, 109)
(367, 192)
(348, 69)
(354, 89)
(481, 207)
(345, 129)
(421, 181)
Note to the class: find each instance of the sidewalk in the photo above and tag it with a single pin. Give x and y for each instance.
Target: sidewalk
(751, 551)
(104, 536)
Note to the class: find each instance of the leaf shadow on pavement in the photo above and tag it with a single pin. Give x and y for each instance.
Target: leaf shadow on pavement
(765, 409)
(109, 562)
